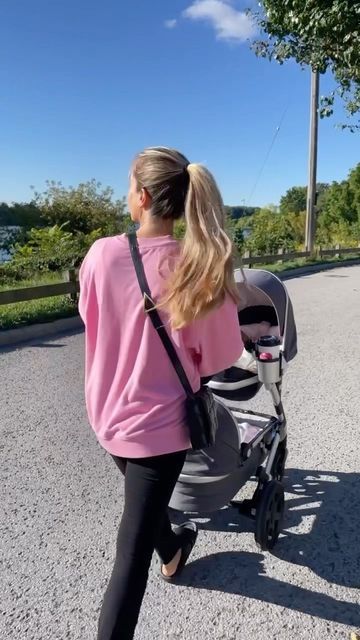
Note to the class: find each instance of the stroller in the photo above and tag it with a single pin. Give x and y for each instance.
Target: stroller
(248, 444)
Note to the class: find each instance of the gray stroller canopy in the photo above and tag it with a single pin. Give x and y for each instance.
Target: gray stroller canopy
(259, 289)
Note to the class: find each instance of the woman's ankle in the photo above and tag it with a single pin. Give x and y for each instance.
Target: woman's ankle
(170, 568)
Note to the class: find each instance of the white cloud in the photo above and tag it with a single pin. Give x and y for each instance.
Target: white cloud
(170, 24)
(228, 22)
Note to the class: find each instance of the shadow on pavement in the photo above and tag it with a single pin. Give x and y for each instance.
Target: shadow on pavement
(335, 275)
(42, 343)
(46, 345)
(321, 527)
(243, 574)
(330, 544)
(321, 532)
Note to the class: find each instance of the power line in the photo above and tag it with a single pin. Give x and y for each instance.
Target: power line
(273, 140)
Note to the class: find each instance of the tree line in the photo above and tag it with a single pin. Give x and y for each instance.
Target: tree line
(337, 219)
(59, 225)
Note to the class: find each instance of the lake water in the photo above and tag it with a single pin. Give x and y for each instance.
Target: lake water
(4, 234)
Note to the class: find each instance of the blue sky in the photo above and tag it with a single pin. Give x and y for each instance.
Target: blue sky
(86, 84)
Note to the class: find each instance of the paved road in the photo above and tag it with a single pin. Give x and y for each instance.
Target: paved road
(63, 498)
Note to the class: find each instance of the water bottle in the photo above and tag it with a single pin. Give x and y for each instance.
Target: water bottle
(268, 356)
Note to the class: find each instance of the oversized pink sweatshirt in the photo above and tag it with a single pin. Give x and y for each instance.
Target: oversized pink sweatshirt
(134, 399)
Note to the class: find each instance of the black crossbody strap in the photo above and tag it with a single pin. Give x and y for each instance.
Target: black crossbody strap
(154, 315)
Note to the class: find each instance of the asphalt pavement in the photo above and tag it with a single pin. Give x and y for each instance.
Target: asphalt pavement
(62, 498)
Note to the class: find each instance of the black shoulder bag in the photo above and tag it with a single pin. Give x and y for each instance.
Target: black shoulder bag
(201, 415)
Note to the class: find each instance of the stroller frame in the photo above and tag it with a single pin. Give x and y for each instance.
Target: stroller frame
(273, 440)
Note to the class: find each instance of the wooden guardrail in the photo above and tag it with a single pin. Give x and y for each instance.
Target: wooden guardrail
(71, 287)
(249, 259)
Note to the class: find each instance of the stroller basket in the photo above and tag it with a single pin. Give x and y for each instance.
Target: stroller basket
(211, 478)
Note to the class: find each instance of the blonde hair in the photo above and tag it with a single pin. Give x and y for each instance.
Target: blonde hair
(203, 274)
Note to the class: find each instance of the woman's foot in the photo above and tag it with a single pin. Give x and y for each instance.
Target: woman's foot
(169, 569)
(188, 533)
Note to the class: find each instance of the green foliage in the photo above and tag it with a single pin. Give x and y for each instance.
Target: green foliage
(296, 222)
(47, 250)
(84, 208)
(11, 237)
(339, 204)
(75, 218)
(49, 309)
(25, 215)
(239, 211)
(179, 229)
(339, 217)
(76, 211)
(322, 34)
(337, 207)
(35, 311)
(321, 191)
(354, 184)
(270, 232)
(294, 200)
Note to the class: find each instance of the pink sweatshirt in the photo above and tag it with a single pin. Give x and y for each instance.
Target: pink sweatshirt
(134, 399)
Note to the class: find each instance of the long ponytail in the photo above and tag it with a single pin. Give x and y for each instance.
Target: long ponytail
(204, 273)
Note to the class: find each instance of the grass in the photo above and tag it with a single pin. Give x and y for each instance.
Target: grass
(36, 311)
(279, 267)
(305, 262)
(46, 278)
(49, 309)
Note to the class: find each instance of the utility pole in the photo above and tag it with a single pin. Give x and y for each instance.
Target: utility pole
(313, 142)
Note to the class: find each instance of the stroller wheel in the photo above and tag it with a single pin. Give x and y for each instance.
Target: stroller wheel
(269, 514)
(278, 467)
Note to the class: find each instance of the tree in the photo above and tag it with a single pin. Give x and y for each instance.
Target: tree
(84, 208)
(339, 218)
(294, 200)
(321, 191)
(20, 214)
(323, 34)
(354, 184)
(48, 249)
(270, 232)
(339, 203)
(237, 212)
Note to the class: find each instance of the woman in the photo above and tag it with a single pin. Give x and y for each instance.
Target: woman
(134, 399)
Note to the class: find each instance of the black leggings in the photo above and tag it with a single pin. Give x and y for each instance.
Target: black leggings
(145, 526)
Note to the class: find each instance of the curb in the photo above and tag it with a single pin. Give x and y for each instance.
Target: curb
(14, 337)
(316, 268)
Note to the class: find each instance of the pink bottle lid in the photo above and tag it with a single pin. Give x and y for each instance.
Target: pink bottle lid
(265, 356)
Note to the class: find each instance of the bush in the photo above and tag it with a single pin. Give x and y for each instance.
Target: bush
(179, 229)
(47, 250)
(270, 231)
(10, 273)
(85, 208)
